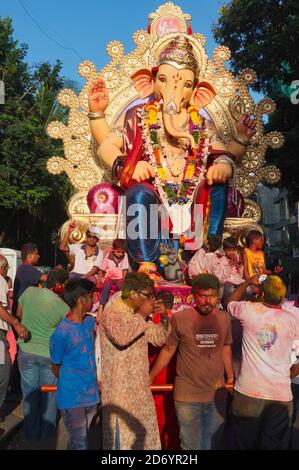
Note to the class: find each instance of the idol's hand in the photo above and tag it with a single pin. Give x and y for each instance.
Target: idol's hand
(219, 173)
(143, 172)
(98, 97)
(246, 127)
(71, 227)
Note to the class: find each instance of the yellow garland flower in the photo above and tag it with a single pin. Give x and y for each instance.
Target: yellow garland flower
(193, 112)
(152, 111)
(161, 173)
(190, 171)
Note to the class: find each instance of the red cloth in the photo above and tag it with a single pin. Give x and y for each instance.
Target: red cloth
(167, 421)
(133, 157)
(12, 344)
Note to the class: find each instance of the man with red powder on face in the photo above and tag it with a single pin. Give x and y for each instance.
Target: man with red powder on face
(203, 338)
(72, 354)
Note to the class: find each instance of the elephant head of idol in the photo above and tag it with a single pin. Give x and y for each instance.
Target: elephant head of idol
(175, 83)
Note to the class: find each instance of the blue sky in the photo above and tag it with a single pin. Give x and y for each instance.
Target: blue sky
(84, 27)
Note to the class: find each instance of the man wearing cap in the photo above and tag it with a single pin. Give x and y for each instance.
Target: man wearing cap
(88, 256)
(262, 401)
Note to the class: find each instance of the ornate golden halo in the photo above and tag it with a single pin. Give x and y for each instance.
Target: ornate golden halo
(231, 100)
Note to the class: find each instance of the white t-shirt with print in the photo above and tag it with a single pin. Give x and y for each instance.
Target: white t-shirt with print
(84, 264)
(268, 335)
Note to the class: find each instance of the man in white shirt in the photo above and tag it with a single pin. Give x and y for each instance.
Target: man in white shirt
(5, 321)
(88, 256)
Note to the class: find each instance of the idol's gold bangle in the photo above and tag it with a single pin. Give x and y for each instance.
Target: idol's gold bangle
(241, 142)
(96, 115)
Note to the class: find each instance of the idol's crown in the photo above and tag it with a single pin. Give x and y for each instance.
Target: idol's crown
(179, 53)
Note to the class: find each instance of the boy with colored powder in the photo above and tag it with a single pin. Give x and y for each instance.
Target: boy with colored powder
(73, 362)
(254, 260)
(113, 270)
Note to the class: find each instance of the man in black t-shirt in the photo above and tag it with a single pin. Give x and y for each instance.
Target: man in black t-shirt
(27, 275)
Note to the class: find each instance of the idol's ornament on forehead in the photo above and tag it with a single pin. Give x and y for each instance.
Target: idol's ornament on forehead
(179, 53)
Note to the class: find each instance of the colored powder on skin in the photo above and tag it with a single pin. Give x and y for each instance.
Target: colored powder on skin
(275, 287)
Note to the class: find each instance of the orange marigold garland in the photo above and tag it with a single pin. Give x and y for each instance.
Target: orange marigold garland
(194, 170)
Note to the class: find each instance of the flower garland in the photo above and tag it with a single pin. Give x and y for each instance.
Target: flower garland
(155, 152)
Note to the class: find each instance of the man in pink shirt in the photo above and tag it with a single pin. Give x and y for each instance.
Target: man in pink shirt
(230, 268)
(262, 401)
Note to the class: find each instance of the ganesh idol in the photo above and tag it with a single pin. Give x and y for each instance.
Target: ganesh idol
(168, 152)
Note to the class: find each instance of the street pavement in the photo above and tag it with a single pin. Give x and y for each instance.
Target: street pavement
(13, 438)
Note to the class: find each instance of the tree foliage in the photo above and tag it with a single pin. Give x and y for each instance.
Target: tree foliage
(264, 36)
(32, 201)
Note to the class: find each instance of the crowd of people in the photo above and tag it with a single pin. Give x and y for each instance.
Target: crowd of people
(220, 402)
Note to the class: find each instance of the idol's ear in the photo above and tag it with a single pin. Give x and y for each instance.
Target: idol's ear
(143, 82)
(203, 94)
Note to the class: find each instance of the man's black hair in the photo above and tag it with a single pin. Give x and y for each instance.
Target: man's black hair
(27, 249)
(229, 242)
(253, 235)
(119, 243)
(136, 281)
(215, 242)
(57, 276)
(76, 288)
(167, 297)
(205, 282)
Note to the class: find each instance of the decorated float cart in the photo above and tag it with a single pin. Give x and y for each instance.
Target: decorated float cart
(96, 199)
